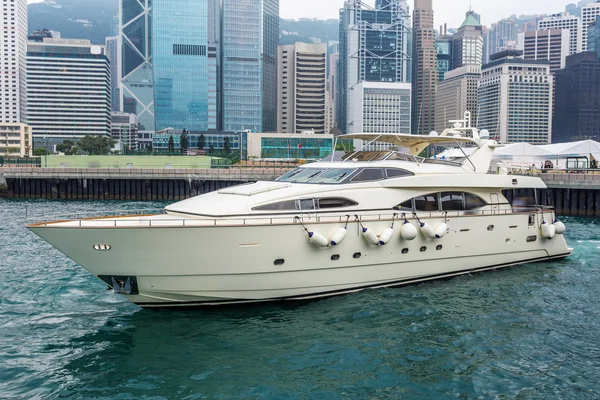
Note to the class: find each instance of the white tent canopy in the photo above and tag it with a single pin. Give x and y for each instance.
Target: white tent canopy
(584, 148)
(522, 150)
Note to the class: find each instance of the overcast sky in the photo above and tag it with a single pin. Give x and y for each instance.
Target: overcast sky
(450, 11)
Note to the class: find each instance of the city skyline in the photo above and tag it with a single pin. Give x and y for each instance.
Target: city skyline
(451, 13)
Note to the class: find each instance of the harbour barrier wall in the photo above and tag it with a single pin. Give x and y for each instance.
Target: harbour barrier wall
(570, 194)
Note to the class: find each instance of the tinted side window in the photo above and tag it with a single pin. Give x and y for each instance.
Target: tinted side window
(427, 203)
(452, 201)
(407, 205)
(368, 175)
(473, 202)
(336, 203)
(281, 206)
(396, 173)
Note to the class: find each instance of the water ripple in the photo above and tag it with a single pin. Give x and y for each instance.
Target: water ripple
(529, 332)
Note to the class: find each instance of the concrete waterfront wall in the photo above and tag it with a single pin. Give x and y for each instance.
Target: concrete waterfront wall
(149, 162)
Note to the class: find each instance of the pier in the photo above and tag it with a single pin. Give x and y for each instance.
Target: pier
(570, 193)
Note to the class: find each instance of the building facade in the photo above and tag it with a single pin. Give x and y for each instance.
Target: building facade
(68, 91)
(113, 52)
(124, 129)
(374, 47)
(565, 21)
(208, 142)
(515, 99)
(551, 44)
(424, 71)
(577, 114)
(457, 94)
(15, 139)
(467, 43)
(180, 64)
(589, 13)
(594, 36)
(501, 36)
(250, 34)
(302, 88)
(286, 146)
(137, 80)
(13, 62)
(380, 108)
(443, 47)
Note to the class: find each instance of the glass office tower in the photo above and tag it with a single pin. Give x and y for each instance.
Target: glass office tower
(137, 85)
(180, 64)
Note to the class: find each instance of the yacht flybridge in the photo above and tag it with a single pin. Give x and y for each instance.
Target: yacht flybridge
(378, 219)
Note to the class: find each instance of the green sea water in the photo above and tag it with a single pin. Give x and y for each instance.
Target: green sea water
(531, 332)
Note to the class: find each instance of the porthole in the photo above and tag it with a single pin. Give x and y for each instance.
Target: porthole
(490, 228)
(404, 251)
(531, 239)
(102, 247)
(279, 261)
(356, 256)
(423, 249)
(439, 247)
(335, 257)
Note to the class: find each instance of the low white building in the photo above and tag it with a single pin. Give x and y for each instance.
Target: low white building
(286, 146)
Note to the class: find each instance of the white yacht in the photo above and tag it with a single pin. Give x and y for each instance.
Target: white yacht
(378, 219)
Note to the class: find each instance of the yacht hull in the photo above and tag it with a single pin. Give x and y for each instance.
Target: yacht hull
(195, 266)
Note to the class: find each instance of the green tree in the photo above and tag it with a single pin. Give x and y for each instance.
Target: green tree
(184, 142)
(201, 142)
(211, 149)
(345, 145)
(40, 151)
(171, 145)
(96, 145)
(226, 145)
(67, 147)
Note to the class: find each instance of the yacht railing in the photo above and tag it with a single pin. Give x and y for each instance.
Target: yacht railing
(167, 221)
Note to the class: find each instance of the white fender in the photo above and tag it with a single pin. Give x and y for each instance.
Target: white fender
(427, 231)
(441, 230)
(548, 230)
(560, 227)
(339, 236)
(409, 231)
(318, 239)
(386, 236)
(370, 236)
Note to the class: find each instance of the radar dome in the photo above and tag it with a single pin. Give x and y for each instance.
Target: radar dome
(484, 134)
(433, 133)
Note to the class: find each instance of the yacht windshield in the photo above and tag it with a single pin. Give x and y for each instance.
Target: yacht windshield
(301, 175)
(332, 176)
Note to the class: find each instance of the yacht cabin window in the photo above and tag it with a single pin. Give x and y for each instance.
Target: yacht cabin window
(445, 201)
(332, 176)
(308, 204)
(369, 175)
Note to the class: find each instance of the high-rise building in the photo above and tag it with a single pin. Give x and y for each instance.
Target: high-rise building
(443, 47)
(552, 45)
(594, 36)
(13, 62)
(250, 33)
(565, 21)
(215, 89)
(374, 49)
(301, 88)
(424, 72)
(137, 81)
(68, 90)
(457, 94)
(500, 36)
(589, 13)
(467, 43)
(180, 64)
(515, 99)
(577, 115)
(113, 52)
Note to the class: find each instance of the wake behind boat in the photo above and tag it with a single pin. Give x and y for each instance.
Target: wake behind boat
(378, 219)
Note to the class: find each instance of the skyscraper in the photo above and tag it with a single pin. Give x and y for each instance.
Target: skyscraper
(443, 46)
(565, 21)
(301, 88)
(13, 62)
(551, 45)
(68, 91)
(374, 68)
(424, 72)
(589, 13)
(137, 81)
(457, 94)
(250, 33)
(180, 64)
(515, 99)
(500, 36)
(467, 43)
(577, 115)
(113, 47)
